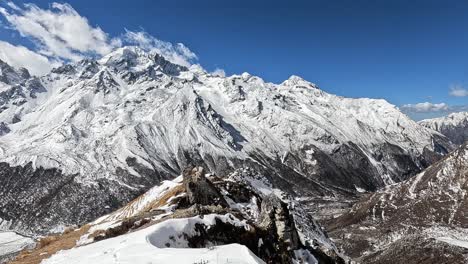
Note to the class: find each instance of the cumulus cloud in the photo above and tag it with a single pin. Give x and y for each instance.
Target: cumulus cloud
(59, 31)
(219, 72)
(429, 110)
(425, 107)
(177, 53)
(19, 56)
(458, 91)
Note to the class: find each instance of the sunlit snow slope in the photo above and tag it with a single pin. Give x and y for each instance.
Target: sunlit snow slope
(101, 132)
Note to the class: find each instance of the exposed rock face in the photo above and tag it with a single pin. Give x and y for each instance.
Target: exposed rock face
(453, 126)
(416, 213)
(12, 76)
(274, 215)
(200, 190)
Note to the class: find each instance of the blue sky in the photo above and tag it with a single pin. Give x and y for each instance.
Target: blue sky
(407, 52)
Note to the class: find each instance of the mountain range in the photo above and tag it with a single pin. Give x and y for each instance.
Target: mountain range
(89, 137)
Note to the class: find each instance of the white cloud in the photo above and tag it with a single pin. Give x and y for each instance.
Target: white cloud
(178, 53)
(425, 107)
(458, 91)
(61, 34)
(13, 6)
(59, 31)
(19, 56)
(219, 72)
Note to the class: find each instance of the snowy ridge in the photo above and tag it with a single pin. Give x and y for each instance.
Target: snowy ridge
(163, 226)
(144, 247)
(454, 126)
(142, 203)
(451, 119)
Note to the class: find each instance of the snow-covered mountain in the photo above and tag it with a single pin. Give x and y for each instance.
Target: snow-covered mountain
(195, 218)
(11, 76)
(454, 126)
(89, 136)
(421, 220)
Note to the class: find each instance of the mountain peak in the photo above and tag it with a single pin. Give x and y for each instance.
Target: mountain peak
(296, 81)
(11, 75)
(454, 126)
(124, 57)
(135, 59)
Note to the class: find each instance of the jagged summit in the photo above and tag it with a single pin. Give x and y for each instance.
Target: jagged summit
(296, 81)
(12, 76)
(135, 59)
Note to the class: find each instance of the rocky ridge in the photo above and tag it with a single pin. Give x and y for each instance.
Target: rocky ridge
(197, 210)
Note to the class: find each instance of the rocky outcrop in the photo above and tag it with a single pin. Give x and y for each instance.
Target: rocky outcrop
(274, 216)
(200, 190)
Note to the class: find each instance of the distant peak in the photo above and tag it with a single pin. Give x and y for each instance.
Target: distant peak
(295, 80)
(12, 75)
(134, 58)
(246, 75)
(123, 53)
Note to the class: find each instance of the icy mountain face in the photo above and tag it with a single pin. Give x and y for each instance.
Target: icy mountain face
(453, 126)
(420, 214)
(195, 217)
(12, 76)
(102, 132)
